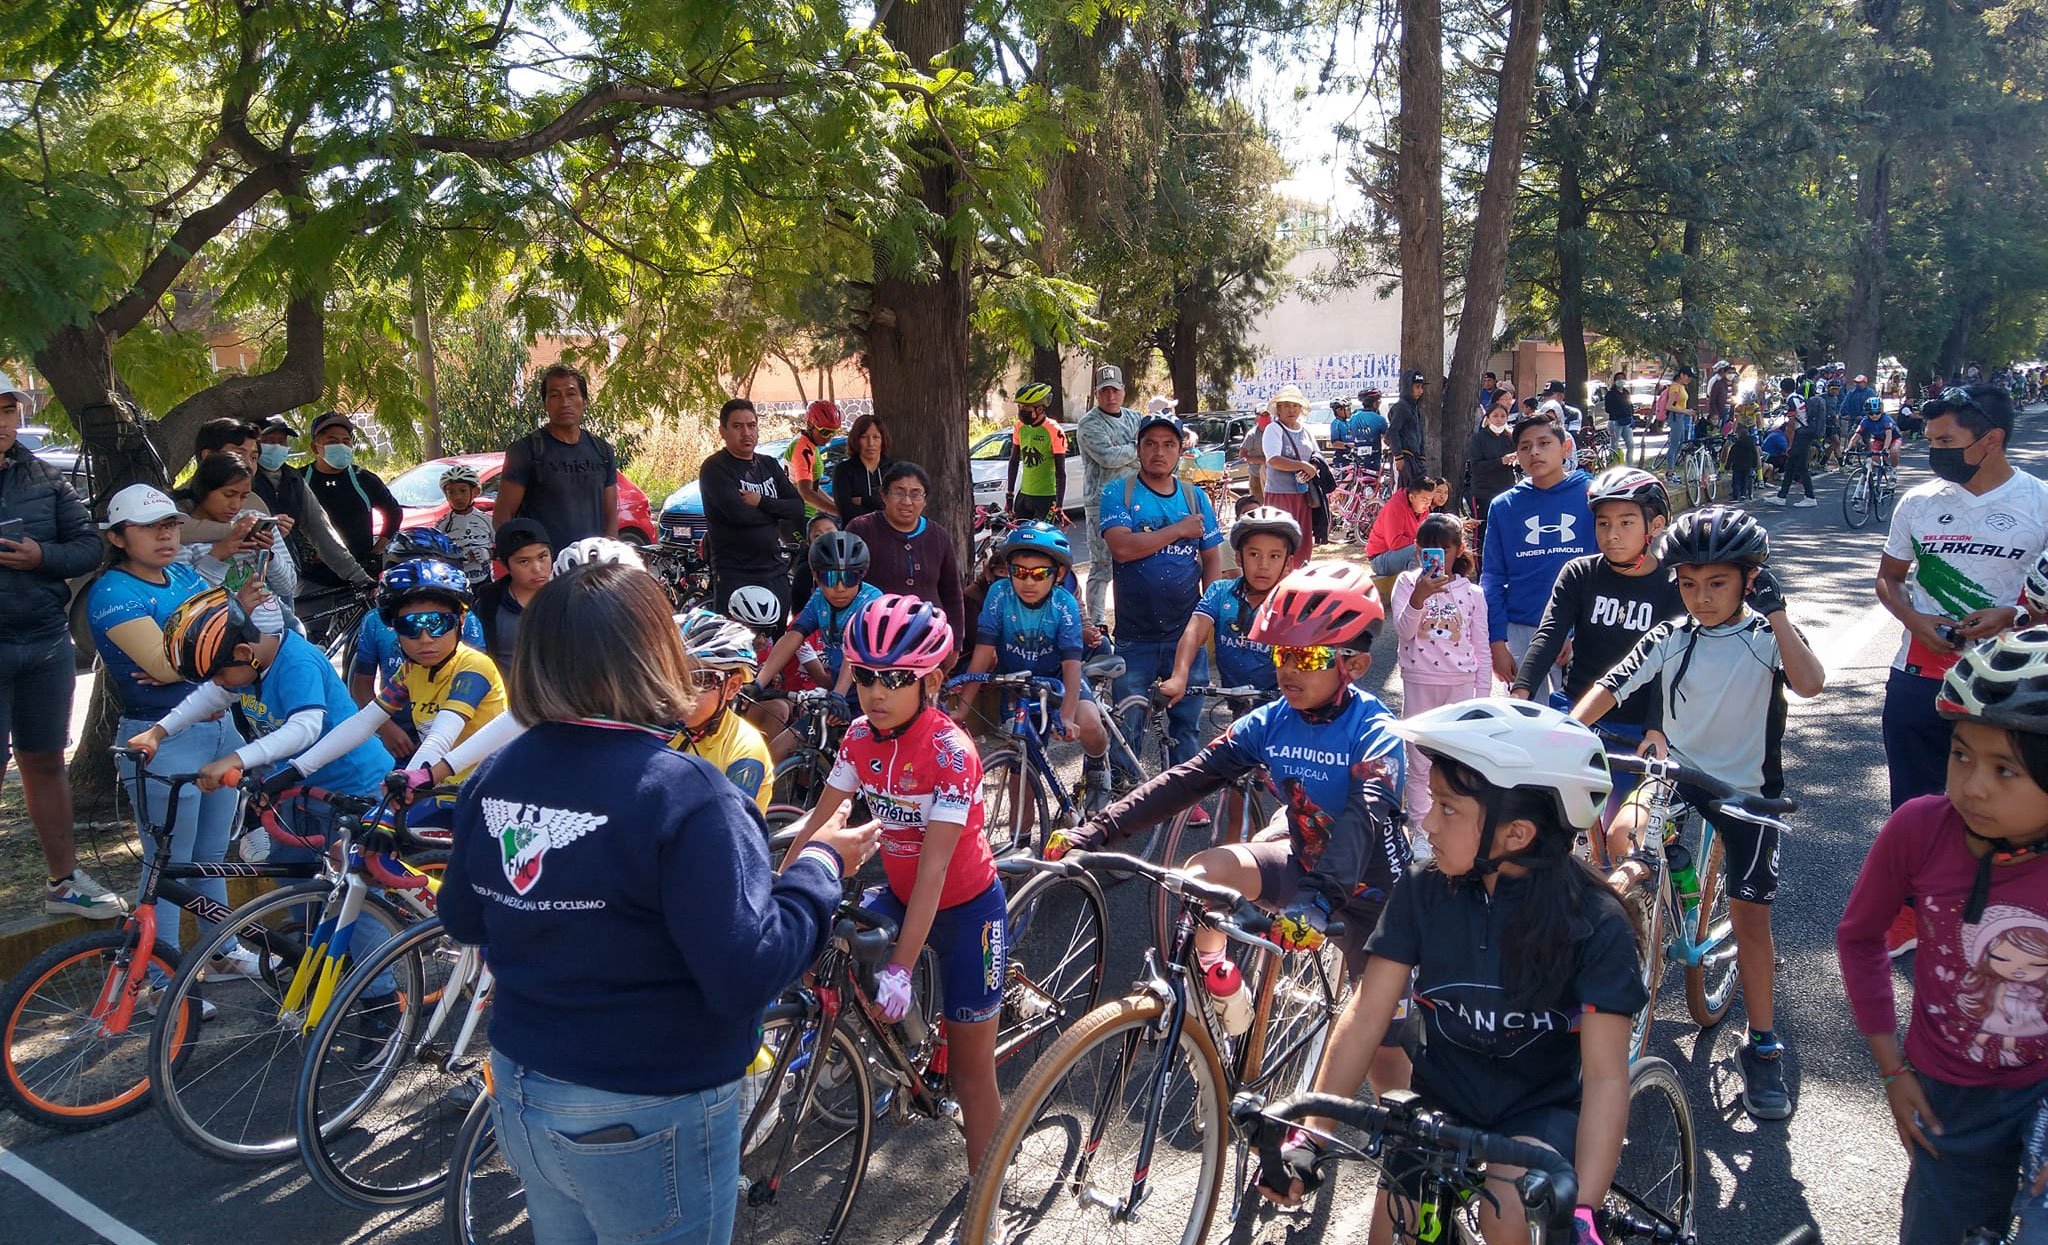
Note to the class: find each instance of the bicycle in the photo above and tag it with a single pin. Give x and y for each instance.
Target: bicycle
(1157, 1068)
(1650, 1198)
(681, 570)
(331, 617)
(800, 777)
(1699, 468)
(1356, 501)
(1659, 909)
(1870, 490)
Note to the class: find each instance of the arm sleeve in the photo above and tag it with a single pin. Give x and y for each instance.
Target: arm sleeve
(518, 462)
(1103, 444)
(1407, 619)
(1399, 934)
(951, 600)
(1161, 797)
(201, 703)
(283, 576)
(988, 626)
(489, 737)
(299, 732)
(1898, 541)
(1641, 667)
(1212, 532)
(1362, 846)
(1566, 599)
(788, 505)
(319, 529)
(1112, 508)
(438, 738)
(76, 548)
(1492, 582)
(1880, 891)
(720, 489)
(360, 728)
(1476, 619)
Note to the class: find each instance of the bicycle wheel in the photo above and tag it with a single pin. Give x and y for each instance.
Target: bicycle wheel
(1308, 991)
(1856, 500)
(1644, 903)
(811, 1115)
(382, 1090)
(1059, 934)
(1015, 805)
(486, 1200)
(1887, 497)
(230, 1095)
(1710, 987)
(1181, 839)
(800, 778)
(61, 1072)
(1654, 1179)
(1048, 1176)
(1690, 472)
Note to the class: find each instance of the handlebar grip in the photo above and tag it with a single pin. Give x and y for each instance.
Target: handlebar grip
(399, 880)
(961, 680)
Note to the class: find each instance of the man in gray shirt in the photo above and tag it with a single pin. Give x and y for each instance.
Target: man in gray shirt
(562, 475)
(1109, 451)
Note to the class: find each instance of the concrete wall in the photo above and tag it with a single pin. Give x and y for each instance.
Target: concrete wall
(1331, 347)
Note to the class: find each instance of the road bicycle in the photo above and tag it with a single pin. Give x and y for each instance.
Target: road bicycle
(799, 780)
(682, 572)
(1699, 469)
(830, 1066)
(331, 618)
(1692, 932)
(1870, 491)
(1123, 1121)
(1024, 798)
(1650, 1198)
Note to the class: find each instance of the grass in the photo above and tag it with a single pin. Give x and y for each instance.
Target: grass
(668, 454)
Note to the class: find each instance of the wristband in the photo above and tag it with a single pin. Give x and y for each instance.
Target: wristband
(1886, 1078)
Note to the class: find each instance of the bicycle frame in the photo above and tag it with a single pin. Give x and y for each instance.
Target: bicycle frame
(1679, 947)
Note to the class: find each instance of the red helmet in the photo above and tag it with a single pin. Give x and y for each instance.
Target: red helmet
(1331, 603)
(823, 416)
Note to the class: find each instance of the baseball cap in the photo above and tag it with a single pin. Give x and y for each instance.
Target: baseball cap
(1556, 386)
(332, 419)
(278, 423)
(1415, 378)
(139, 503)
(1109, 376)
(517, 534)
(1861, 379)
(1158, 420)
(22, 396)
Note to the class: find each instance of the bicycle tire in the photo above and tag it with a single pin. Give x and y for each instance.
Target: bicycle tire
(486, 1201)
(376, 1105)
(1690, 474)
(1059, 941)
(800, 778)
(1016, 807)
(42, 1044)
(815, 1199)
(1710, 988)
(229, 1093)
(1308, 993)
(1643, 901)
(1856, 507)
(1188, 1161)
(1887, 498)
(1658, 1149)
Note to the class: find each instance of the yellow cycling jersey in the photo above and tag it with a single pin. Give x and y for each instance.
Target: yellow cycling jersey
(467, 683)
(738, 751)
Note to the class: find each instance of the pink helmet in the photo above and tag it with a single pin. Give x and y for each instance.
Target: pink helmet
(895, 632)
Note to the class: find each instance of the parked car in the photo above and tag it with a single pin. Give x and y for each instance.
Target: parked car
(45, 444)
(682, 514)
(419, 492)
(989, 459)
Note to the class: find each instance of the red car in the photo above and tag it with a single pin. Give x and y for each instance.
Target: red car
(419, 491)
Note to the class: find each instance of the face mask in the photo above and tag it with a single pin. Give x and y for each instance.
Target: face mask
(338, 456)
(1951, 465)
(271, 457)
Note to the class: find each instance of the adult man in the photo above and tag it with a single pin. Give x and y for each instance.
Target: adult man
(1959, 551)
(1405, 433)
(1109, 437)
(1856, 402)
(350, 495)
(1532, 530)
(1677, 418)
(313, 538)
(1489, 389)
(1554, 405)
(561, 475)
(1621, 416)
(1805, 420)
(907, 552)
(1164, 537)
(748, 502)
(1037, 486)
(1720, 403)
(46, 537)
(822, 422)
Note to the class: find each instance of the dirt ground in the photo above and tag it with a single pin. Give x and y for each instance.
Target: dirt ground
(114, 857)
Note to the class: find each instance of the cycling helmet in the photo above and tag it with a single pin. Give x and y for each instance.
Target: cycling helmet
(718, 642)
(1037, 536)
(755, 606)
(406, 582)
(1874, 405)
(594, 549)
(1158, 419)
(1370, 396)
(420, 542)
(2002, 681)
(839, 551)
(1265, 521)
(200, 635)
(894, 632)
(1630, 484)
(1715, 534)
(1034, 395)
(1518, 743)
(823, 415)
(461, 473)
(1340, 404)
(1330, 603)
(1722, 365)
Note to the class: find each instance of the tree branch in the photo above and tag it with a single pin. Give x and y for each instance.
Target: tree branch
(192, 233)
(577, 120)
(296, 380)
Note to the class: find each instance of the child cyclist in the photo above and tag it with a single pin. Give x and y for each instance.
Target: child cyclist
(377, 655)
(468, 528)
(1718, 678)
(1524, 962)
(1029, 624)
(1262, 540)
(1974, 861)
(919, 772)
(757, 609)
(839, 563)
(1878, 433)
(724, 662)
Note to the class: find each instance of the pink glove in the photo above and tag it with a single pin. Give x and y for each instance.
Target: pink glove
(892, 992)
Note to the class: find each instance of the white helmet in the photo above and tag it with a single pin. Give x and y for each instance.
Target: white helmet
(717, 641)
(2034, 594)
(755, 606)
(592, 549)
(1518, 743)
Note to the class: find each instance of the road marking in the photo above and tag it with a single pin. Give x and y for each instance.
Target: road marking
(53, 1191)
(1845, 648)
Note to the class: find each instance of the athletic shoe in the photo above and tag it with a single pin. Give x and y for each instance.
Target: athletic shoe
(254, 847)
(1094, 791)
(79, 895)
(1801, 503)
(1775, 499)
(1763, 1081)
(1904, 934)
(1200, 817)
(239, 961)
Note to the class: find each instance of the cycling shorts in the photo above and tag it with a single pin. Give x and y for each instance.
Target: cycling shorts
(1280, 877)
(972, 942)
(1749, 851)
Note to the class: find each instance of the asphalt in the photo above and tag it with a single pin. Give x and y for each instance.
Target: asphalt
(1835, 1164)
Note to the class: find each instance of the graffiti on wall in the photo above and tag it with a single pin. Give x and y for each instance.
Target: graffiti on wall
(1320, 376)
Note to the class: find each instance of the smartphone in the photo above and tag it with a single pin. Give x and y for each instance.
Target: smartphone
(266, 524)
(1433, 563)
(612, 1136)
(13, 529)
(1953, 634)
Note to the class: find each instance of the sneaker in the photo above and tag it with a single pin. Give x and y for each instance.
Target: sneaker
(1775, 499)
(1094, 791)
(1904, 934)
(153, 995)
(254, 847)
(79, 895)
(1801, 503)
(239, 961)
(1763, 1081)
(1200, 817)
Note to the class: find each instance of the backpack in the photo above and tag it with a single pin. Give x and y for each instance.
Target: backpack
(1662, 406)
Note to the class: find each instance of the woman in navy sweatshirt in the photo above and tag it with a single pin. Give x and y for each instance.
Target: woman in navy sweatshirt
(634, 925)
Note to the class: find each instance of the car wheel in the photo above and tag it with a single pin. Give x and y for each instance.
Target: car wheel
(634, 536)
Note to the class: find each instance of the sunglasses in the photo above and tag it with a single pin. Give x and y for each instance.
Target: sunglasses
(431, 623)
(1310, 658)
(1031, 574)
(894, 680)
(840, 579)
(704, 679)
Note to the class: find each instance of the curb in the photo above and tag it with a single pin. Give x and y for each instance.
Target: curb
(24, 938)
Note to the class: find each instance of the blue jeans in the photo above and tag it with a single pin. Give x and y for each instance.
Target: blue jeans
(204, 823)
(1145, 663)
(1972, 1181)
(1624, 438)
(1678, 430)
(676, 1178)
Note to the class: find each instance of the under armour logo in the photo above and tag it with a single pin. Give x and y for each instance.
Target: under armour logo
(1563, 527)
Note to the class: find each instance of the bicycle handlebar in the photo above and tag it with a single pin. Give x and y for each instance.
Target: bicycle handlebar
(1020, 682)
(1237, 917)
(1719, 793)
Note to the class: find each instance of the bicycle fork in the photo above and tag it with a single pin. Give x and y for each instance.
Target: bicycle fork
(1169, 984)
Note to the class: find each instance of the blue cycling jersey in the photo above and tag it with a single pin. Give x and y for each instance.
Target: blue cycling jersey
(1027, 638)
(1877, 429)
(1239, 662)
(818, 619)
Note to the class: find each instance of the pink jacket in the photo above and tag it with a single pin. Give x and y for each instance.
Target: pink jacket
(1443, 643)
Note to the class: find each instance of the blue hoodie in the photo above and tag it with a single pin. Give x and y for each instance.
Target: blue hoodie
(1530, 534)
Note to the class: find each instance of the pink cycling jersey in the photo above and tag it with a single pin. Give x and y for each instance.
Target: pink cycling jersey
(928, 773)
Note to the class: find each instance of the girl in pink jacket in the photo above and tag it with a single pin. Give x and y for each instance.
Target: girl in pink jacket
(1440, 622)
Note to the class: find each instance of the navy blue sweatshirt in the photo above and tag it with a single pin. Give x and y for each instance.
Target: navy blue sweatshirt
(623, 893)
(1530, 534)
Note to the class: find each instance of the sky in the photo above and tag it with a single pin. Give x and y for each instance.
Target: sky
(1304, 125)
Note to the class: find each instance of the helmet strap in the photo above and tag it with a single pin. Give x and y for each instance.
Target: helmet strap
(2003, 852)
(1325, 714)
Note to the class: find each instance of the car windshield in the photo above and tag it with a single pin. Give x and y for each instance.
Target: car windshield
(421, 486)
(1211, 430)
(994, 445)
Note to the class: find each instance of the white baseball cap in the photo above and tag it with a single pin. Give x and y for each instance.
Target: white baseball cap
(140, 503)
(23, 396)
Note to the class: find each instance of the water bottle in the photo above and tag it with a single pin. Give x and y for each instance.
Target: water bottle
(1233, 1003)
(1678, 859)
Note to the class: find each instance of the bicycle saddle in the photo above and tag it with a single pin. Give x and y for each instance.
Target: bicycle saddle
(1104, 668)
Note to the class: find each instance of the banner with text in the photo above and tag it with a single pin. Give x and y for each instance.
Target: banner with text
(1320, 376)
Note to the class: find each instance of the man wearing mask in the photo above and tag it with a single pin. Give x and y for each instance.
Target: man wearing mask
(1109, 451)
(313, 538)
(1720, 403)
(1406, 438)
(562, 475)
(350, 495)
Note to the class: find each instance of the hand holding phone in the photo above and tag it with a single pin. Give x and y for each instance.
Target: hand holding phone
(13, 529)
(1432, 563)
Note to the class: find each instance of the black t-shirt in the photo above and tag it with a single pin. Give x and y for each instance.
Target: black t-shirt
(1483, 1059)
(747, 540)
(565, 483)
(1603, 613)
(349, 497)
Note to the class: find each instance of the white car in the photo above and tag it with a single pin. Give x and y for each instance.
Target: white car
(989, 459)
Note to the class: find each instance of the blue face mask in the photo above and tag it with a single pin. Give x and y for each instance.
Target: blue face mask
(271, 457)
(338, 456)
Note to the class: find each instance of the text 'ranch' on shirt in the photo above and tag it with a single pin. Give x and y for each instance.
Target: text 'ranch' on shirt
(1968, 552)
(1156, 594)
(929, 773)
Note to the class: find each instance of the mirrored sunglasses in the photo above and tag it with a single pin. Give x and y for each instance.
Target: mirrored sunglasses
(1311, 658)
(1031, 574)
(431, 623)
(894, 680)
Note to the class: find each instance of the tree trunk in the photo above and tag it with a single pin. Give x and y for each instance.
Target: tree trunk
(1486, 276)
(1182, 346)
(430, 395)
(1419, 192)
(1046, 365)
(1955, 344)
(917, 358)
(1571, 276)
(1863, 318)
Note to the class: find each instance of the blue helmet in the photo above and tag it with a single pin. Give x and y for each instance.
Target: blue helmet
(420, 542)
(407, 582)
(1038, 536)
(1874, 405)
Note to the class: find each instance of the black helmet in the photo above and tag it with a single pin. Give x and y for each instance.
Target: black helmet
(1630, 484)
(1713, 535)
(839, 551)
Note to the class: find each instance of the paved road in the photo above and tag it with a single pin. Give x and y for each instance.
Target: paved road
(1836, 1163)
